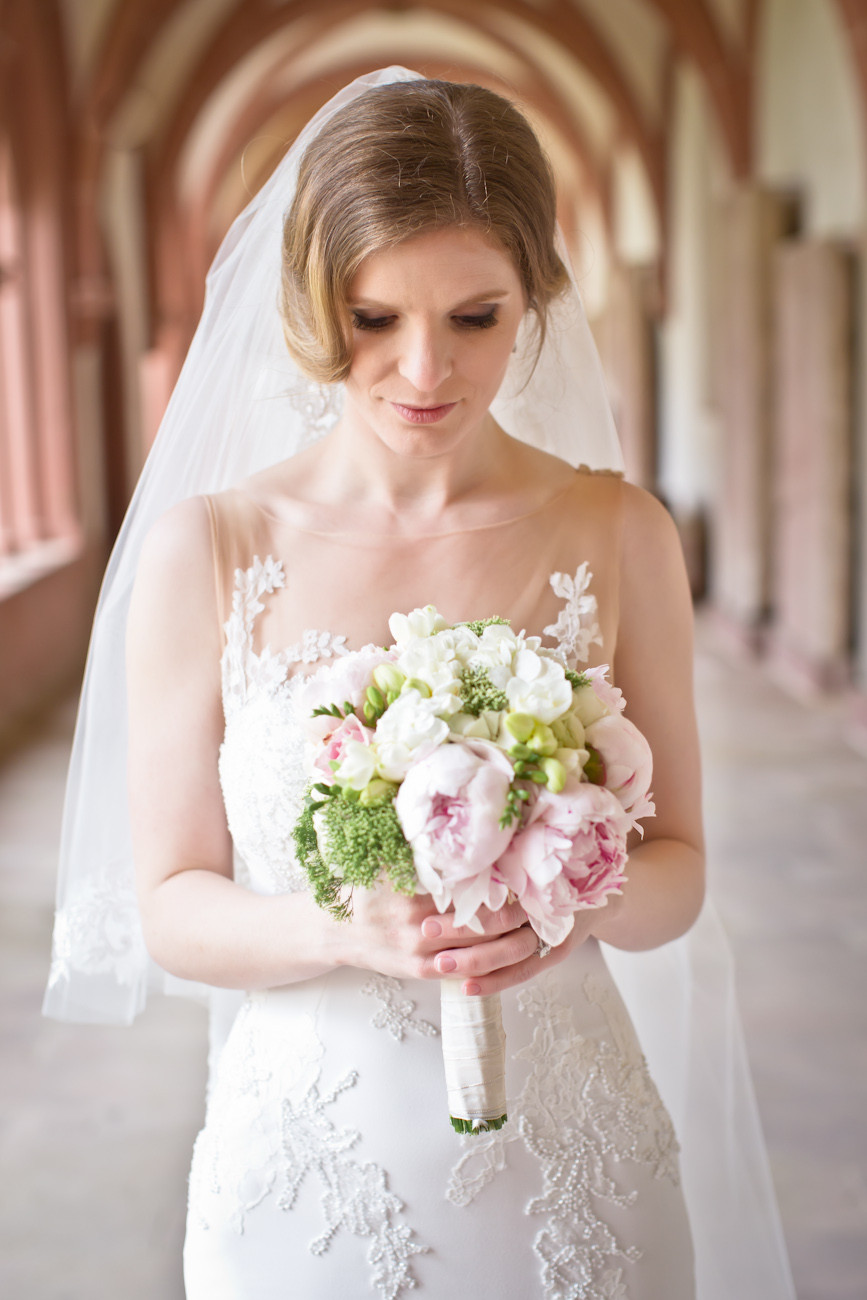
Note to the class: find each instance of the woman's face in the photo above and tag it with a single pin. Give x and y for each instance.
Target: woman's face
(434, 322)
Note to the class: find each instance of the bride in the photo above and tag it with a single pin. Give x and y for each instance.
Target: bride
(420, 279)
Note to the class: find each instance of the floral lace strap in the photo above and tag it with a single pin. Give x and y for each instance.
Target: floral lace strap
(576, 628)
(261, 579)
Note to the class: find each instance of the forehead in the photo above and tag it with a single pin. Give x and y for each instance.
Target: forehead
(437, 265)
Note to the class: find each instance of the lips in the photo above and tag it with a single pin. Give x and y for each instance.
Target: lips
(423, 414)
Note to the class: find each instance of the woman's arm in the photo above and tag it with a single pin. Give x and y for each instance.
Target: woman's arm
(198, 923)
(653, 667)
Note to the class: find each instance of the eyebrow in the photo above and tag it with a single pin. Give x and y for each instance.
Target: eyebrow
(476, 300)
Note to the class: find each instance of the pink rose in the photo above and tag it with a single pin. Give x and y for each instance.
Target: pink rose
(343, 680)
(570, 854)
(449, 807)
(334, 747)
(628, 761)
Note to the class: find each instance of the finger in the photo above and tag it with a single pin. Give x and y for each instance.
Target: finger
(481, 958)
(509, 917)
(510, 977)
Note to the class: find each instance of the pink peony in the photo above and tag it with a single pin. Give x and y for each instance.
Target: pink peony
(609, 694)
(570, 854)
(344, 679)
(334, 747)
(449, 807)
(628, 761)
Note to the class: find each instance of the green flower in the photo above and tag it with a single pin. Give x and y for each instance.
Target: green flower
(353, 841)
(479, 694)
(477, 626)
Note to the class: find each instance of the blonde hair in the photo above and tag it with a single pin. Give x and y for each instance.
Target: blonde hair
(400, 160)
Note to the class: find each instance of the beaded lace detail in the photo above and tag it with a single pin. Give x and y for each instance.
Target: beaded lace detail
(242, 1157)
(396, 1014)
(587, 1103)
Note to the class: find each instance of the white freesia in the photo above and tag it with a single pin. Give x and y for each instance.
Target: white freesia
(498, 645)
(408, 731)
(573, 760)
(484, 727)
(436, 661)
(357, 767)
(494, 652)
(539, 687)
(419, 623)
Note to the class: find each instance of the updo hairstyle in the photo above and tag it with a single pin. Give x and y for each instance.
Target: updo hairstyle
(400, 160)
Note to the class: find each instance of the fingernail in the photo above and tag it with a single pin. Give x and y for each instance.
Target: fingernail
(472, 990)
(445, 963)
(431, 928)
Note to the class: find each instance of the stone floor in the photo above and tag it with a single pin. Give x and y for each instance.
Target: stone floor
(96, 1124)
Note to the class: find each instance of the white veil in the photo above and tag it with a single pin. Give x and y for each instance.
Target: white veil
(240, 405)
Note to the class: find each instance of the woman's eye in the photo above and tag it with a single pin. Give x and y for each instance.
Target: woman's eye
(360, 322)
(477, 322)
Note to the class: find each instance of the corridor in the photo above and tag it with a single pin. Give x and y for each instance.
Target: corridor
(98, 1123)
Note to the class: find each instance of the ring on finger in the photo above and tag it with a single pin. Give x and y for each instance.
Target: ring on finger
(542, 949)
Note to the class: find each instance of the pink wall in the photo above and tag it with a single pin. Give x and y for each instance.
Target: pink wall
(44, 630)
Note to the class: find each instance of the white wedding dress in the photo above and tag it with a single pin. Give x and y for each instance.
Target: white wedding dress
(327, 1166)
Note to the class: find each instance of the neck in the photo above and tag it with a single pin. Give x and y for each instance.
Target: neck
(419, 481)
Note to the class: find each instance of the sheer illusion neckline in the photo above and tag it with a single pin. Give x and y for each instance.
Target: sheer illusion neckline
(392, 537)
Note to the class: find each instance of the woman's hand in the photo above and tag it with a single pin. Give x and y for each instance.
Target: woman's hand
(407, 938)
(483, 979)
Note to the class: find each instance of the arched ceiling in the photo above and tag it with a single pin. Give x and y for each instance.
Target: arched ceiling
(209, 92)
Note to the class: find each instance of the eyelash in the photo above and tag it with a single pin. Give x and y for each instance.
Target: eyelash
(375, 323)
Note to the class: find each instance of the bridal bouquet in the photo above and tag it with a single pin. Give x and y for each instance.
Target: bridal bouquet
(471, 764)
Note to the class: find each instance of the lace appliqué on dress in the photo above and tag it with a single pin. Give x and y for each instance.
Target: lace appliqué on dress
(576, 628)
(244, 672)
(242, 1157)
(584, 1100)
(262, 758)
(98, 932)
(395, 1014)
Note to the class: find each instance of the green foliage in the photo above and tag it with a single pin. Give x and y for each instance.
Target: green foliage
(478, 692)
(515, 800)
(363, 844)
(478, 625)
(325, 886)
(594, 768)
(576, 680)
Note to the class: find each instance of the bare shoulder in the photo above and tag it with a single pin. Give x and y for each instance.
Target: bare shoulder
(175, 575)
(182, 531)
(655, 599)
(649, 535)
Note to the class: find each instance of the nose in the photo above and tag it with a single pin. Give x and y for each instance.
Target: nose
(425, 357)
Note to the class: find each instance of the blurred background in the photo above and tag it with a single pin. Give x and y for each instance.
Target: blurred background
(711, 159)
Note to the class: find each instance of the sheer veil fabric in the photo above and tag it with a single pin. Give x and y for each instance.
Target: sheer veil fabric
(239, 406)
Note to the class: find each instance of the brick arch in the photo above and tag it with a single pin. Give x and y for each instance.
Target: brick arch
(727, 72)
(180, 240)
(137, 23)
